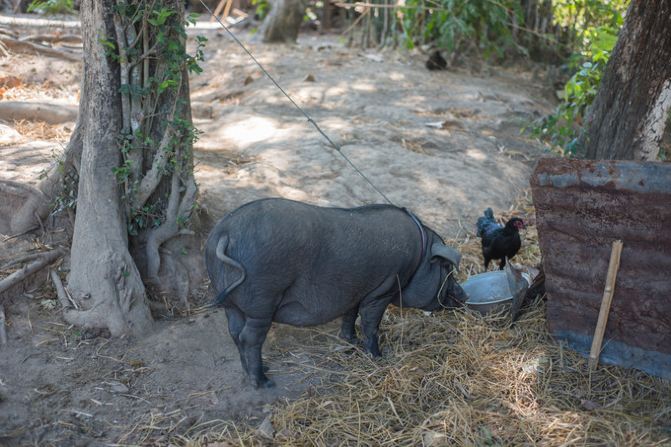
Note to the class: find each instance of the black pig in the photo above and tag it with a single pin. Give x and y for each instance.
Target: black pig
(294, 263)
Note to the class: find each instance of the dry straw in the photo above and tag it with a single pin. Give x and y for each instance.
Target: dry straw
(456, 378)
(39, 130)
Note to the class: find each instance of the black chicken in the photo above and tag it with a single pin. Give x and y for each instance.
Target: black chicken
(436, 61)
(498, 241)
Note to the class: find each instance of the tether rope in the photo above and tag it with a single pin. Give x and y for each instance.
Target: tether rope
(308, 117)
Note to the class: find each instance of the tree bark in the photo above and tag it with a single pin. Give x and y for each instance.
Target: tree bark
(631, 109)
(21, 5)
(284, 21)
(103, 276)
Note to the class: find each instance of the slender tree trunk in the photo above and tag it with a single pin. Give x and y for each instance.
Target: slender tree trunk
(631, 109)
(284, 21)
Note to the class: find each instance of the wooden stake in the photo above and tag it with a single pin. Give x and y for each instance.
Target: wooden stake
(607, 299)
(218, 10)
(227, 9)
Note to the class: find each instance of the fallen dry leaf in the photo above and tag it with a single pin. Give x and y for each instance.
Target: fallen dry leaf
(10, 82)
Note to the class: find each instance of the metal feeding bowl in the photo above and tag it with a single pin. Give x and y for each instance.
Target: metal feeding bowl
(496, 291)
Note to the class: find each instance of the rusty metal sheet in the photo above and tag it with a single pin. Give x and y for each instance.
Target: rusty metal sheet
(581, 207)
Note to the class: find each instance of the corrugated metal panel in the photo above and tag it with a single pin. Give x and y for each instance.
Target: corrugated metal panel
(581, 207)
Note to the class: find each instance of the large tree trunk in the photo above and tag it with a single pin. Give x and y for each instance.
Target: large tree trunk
(629, 114)
(103, 275)
(136, 169)
(283, 21)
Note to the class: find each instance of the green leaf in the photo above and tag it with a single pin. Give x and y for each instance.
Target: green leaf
(107, 43)
(160, 16)
(51, 6)
(168, 83)
(192, 18)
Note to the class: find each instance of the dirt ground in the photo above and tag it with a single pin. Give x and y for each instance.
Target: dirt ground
(445, 144)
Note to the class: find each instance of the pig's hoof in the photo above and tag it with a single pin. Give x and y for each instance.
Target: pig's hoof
(351, 339)
(374, 352)
(264, 383)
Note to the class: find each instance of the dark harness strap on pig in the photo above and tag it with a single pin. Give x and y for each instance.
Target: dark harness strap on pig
(422, 251)
(421, 256)
(422, 234)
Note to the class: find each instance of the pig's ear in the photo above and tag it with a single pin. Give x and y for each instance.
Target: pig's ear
(439, 250)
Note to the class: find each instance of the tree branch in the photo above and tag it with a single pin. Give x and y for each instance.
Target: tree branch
(153, 177)
(18, 276)
(28, 47)
(123, 62)
(53, 38)
(136, 80)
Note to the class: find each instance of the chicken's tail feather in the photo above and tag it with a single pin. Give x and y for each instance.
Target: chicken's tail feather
(485, 221)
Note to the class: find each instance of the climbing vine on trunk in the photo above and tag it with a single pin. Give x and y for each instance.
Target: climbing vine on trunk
(157, 133)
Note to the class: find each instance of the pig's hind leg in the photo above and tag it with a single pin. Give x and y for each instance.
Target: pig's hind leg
(347, 331)
(236, 322)
(371, 315)
(251, 338)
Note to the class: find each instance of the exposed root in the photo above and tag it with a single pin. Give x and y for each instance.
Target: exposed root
(39, 203)
(63, 297)
(37, 111)
(121, 313)
(89, 319)
(16, 188)
(170, 228)
(8, 33)
(21, 260)
(108, 289)
(35, 266)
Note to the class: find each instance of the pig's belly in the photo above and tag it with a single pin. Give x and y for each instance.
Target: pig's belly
(311, 313)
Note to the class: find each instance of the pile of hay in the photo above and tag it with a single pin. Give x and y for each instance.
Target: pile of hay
(460, 379)
(457, 378)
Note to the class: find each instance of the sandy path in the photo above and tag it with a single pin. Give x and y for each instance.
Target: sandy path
(377, 108)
